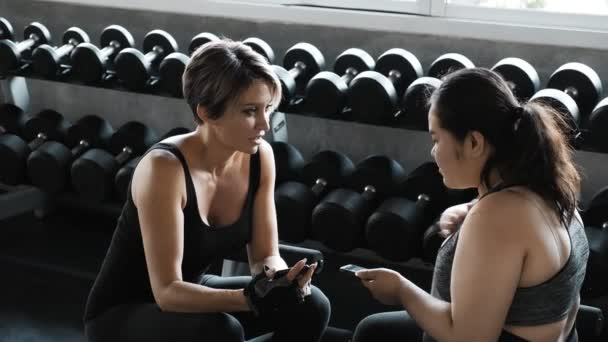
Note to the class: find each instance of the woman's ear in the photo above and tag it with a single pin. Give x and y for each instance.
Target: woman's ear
(201, 113)
(475, 144)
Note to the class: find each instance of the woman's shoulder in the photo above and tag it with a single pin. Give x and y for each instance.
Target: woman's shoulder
(507, 211)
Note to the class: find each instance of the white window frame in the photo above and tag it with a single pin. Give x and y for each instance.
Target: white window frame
(439, 19)
(523, 16)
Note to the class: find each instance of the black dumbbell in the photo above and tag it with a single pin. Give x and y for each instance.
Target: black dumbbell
(326, 91)
(448, 63)
(338, 221)
(47, 60)
(201, 39)
(414, 108)
(303, 61)
(598, 126)
(565, 106)
(288, 161)
(12, 119)
(432, 239)
(172, 67)
(93, 173)
(48, 167)
(14, 150)
(260, 46)
(396, 228)
(6, 30)
(520, 75)
(581, 83)
(595, 218)
(90, 64)
(125, 174)
(134, 68)
(295, 201)
(11, 53)
(373, 96)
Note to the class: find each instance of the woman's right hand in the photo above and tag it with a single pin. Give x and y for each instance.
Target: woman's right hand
(452, 217)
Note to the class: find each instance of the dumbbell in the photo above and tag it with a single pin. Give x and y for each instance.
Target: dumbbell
(396, 228)
(565, 106)
(12, 119)
(295, 201)
(90, 64)
(374, 96)
(260, 46)
(134, 68)
(14, 150)
(6, 30)
(48, 167)
(432, 240)
(304, 61)
(595, 218)
(288, 161)
(172, 67)
(201, 39)
(125, 174)
(414, 108)
(581, 83)
(93, 173)
(598, 126)
(11, 53)
(520, 75)
(326, 91)
(338, 221)
(47, 60)
(448, 63)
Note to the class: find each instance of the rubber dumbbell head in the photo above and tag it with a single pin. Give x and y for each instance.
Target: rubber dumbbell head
(12, 119)
(89, 63)
(580, 82)
(520, 75)
(49, 166)
(200, 40)
(448, 63)
(170, 71)
(598, 126)
(260, 46)
(326, 91)
(6, 30)
(11, 53)
(47, 60)
(414, 107)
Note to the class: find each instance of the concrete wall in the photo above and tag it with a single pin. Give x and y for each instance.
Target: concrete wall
(308, 134)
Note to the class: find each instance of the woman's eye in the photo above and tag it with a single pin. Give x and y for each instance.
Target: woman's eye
(250, 112)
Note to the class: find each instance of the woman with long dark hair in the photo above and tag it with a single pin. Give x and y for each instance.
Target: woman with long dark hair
(514, 269)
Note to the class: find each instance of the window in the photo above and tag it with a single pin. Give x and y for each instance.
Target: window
(398, 6)
(579, 14)
(559, 6)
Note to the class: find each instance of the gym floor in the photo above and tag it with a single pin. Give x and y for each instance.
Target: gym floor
(48, 268)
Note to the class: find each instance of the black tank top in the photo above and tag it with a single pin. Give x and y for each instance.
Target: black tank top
(124, 278)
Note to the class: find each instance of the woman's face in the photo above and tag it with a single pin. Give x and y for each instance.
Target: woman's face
(460, 163)
(245, 121)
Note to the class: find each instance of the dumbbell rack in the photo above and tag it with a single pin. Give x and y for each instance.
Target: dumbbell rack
(311, 134)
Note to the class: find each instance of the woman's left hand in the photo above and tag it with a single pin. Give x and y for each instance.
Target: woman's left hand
(384, 284)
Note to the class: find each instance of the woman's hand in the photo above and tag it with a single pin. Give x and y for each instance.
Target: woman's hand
(303, 280)
(384, 284)
(452, 217)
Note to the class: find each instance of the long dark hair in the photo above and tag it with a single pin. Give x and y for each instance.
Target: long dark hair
(530, 145)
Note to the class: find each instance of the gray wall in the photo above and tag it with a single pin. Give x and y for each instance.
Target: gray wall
(308, 134)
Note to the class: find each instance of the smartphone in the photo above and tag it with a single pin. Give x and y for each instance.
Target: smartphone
(281, 273)
(350, 268)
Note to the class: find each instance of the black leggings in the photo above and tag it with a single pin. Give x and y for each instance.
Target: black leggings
(136, 322)
(400, 326)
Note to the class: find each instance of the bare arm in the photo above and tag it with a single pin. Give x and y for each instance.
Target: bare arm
(485, 274)
(158, 189)
(264, 246)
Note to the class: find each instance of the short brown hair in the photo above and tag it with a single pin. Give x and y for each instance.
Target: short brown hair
(220, 71)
